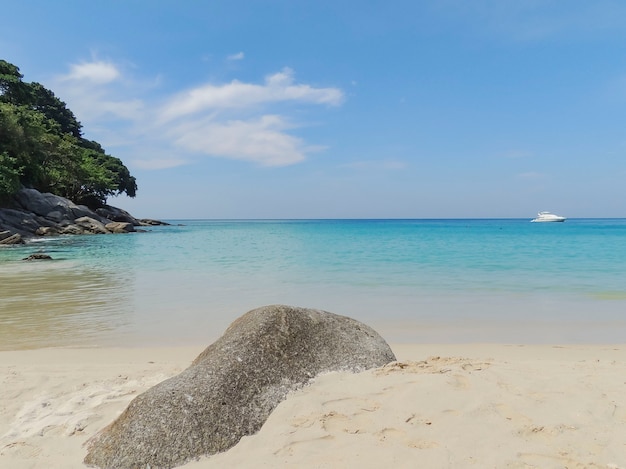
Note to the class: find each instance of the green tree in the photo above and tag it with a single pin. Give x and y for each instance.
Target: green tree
(9, 176)
(44, 101)
(41, 146)
(12, 88)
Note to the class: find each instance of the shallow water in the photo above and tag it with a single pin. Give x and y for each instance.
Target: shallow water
(413, 280)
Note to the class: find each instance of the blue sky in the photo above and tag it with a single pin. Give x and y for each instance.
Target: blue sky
(342, 109)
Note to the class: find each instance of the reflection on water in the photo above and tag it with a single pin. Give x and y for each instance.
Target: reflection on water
(54, 303)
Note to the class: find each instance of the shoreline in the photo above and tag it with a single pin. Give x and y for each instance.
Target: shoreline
(427, 332)
(445, 405)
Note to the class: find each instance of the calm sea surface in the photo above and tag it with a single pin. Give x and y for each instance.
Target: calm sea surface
(503, 280)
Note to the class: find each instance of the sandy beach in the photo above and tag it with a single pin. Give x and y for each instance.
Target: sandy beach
(447, 405)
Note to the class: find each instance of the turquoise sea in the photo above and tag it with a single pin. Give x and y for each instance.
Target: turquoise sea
(500, 280)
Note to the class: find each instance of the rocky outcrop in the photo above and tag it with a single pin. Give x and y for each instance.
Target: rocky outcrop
(232, 387)
(50, 206)
(32, 213)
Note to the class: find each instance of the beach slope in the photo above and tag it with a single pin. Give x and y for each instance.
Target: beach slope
(438, 406)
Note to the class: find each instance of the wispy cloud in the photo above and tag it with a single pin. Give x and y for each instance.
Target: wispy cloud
(279, 87)
(237, 56)
(262, 140)
(235, 120)
(97, 72)
(95, 91)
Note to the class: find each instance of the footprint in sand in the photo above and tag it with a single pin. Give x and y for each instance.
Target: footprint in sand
(423, 444)
(353, 405)
(415, 419)
(563, 459)
(460, 381)
(291, 447)
(509, 413)
(434, 365)
(391, 434)
(20, 448)
(397, 436)
(334, 422)
(545, 431)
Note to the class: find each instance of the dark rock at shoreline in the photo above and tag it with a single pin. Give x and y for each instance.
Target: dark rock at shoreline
(151, 222)
(117, 214)
(232, 387)
(32, 213)
(6, 237)
(37, 257)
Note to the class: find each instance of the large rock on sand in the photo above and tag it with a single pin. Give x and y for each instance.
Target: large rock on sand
(232, 387)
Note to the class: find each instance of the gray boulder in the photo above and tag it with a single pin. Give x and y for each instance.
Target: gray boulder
(91, 225)
(117, 214)
(32, 213)
(38, 203)
(6, 237)
(120, 227)
(71, 229)
(20, 222)
(48, 230)
(232, 387)
(53, 206)
(57, 217)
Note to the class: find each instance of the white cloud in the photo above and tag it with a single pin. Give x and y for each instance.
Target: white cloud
(94, 91)
(278, 87)
(237, 56)
(96, 72)
(261, 140)
(234, 120)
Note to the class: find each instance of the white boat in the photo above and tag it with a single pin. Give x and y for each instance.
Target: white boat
(547, 217)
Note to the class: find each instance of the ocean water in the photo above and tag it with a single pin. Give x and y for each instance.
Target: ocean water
(500, 280)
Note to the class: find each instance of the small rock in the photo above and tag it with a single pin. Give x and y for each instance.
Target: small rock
(37, 256)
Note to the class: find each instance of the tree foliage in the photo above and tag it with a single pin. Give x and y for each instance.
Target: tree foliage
(42, 146)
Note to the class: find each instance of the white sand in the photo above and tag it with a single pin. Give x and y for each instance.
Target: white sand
(440, 406)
